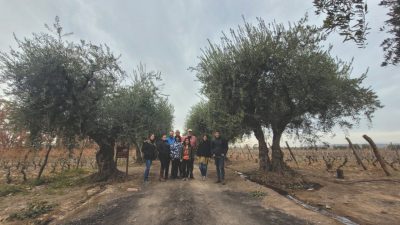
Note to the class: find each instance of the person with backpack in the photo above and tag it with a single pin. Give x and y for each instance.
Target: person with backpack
(175, 155)
(164, 157)
(149, 150)
(204, 154)
(219, 148)
(186, 158)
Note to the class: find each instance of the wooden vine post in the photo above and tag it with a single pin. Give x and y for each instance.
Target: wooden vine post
(376, 153)
(291, 153)
(248, 149)
(359, 161)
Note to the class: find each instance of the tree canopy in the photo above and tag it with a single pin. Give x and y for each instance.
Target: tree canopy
(205, 117)
(282, 78)
(348, 17)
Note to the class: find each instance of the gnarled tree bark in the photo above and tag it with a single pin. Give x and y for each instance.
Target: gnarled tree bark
(264, 160)
(105, 159)
(278, 165)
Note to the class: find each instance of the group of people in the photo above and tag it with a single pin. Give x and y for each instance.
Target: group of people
(181, 152)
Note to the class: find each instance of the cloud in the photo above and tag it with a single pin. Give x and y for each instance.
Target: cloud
(168, 35)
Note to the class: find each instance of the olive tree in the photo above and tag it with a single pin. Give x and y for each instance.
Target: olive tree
(136, 110)
(62, 89)
(282, 78)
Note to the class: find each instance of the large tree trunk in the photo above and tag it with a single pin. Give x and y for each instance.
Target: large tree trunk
(105, 160)
(264, 160)
(139, 158)
(278, 165)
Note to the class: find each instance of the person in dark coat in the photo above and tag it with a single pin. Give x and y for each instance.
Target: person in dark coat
(219, 148)
(164, 157)
(204, 154)
(149, 150)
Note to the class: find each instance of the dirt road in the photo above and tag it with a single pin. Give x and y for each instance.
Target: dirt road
(197, 202)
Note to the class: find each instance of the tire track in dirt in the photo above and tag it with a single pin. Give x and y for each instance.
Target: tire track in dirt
(192, 202)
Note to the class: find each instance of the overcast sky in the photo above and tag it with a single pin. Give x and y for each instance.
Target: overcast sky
(168, 35)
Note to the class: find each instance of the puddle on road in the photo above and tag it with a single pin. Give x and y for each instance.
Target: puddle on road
(324, 212)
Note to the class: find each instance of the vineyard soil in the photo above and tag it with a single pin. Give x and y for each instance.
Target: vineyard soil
(365, 197)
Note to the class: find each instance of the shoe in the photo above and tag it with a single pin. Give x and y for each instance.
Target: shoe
(218, 181)
(223, 183)
(203, 178)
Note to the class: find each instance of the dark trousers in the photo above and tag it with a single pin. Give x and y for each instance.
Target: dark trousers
(175, 168)
(147, 169)
(220, 166)
(191, 164)
(164, 167)
(185, 164)
(203, 169)
(180, 174)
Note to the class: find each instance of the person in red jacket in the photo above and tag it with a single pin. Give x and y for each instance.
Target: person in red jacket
(193, 144)
(186, 158)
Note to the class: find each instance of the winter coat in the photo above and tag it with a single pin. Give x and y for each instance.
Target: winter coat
(149, 150)
(163, 150)
(191, 152)
(176, 149)
(204, 149)
(219, 146)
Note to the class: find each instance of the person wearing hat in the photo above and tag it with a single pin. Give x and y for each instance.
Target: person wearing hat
(193, 144)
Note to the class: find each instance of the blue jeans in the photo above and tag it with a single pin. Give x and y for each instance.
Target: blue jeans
(147, 170)
(203, 169)
(220, 165)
